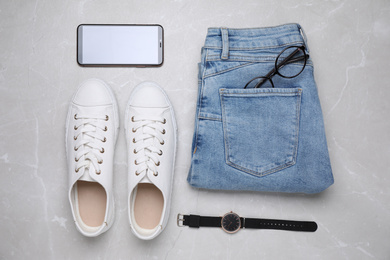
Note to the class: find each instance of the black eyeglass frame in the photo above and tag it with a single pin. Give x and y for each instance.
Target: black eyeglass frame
(287, 60)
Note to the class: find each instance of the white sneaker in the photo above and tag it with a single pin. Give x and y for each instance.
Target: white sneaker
(151, 145)
(91, 132)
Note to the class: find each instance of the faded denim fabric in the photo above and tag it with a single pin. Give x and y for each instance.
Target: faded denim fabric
(260, 139)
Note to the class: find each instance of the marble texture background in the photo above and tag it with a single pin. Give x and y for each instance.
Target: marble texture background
(350, 47)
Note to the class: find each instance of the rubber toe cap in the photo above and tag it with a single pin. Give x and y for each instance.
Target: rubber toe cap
(93, 92)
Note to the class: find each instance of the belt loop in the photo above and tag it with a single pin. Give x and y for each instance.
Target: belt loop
(225, 43)
(302, 32)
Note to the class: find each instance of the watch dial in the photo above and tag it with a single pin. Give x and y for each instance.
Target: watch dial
(231, 222)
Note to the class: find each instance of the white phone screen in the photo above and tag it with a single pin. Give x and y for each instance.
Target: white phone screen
(120, 44)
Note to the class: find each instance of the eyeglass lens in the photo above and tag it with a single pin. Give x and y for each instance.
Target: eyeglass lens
(291, 62)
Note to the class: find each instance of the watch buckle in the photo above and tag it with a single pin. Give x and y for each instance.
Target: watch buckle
(180, 220)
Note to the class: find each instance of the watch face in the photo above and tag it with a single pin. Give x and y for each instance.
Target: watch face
(231, 222)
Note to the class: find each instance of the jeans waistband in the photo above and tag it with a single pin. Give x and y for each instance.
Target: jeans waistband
(253, 38)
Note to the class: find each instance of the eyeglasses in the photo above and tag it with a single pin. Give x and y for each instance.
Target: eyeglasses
(284, 66)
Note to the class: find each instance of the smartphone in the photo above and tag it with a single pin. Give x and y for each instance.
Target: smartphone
(132, 45)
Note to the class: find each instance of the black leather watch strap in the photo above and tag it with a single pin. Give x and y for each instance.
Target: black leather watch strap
(308, 226)
(201, 221)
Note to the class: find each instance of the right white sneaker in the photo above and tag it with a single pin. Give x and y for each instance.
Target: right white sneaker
(91, 132)
(151, 145)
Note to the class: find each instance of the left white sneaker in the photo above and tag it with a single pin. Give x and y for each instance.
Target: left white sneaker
(91, 132)
(151, 146)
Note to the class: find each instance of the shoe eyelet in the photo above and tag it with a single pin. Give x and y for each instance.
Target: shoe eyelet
(157, 164)
(75, 128)
(107, 117)
(75, 116)
(163, 132)
(76, 160)
(160, 153)
(133, 140)
(134, 151)
(155, 174)
(132, 119)
(100, 162)
(98, 172)
(75, 138)
(104, 140)
(75, 148)
(164, 121)
(137, 173)
(162, 143)
(133, 130)
(76, 170)
(105, 129)
(135, 162)
(102, 150)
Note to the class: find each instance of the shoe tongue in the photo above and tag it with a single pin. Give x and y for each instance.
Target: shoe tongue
(145, 179)
(86, 176)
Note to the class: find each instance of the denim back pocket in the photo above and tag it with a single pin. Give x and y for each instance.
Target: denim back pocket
(261, 128)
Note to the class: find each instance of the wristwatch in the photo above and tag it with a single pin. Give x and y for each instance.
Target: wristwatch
(231, 222)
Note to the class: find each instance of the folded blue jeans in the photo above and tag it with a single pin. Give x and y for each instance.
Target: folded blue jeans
(258, 139)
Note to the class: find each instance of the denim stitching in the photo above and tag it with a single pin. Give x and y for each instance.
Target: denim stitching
(272, 170)
(233, 68)
(262, 174)
(261, 93)
(262, 28)
(253, 59)
(255, 48)
(210, 118)
(264, 58)
(200, 100)
(225, 139)
(238, 59)
(249, 62)
(298, 115)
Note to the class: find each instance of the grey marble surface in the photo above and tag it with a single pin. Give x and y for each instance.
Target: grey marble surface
(349, 42)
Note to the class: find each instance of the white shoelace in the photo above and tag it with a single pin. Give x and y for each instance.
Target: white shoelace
(89, 136)
(148, 130)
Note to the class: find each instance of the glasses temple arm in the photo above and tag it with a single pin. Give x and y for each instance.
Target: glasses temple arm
(306, 56)
(268, 76)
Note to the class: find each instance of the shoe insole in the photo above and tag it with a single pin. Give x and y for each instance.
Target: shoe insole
(92, 201)
(148, 206)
